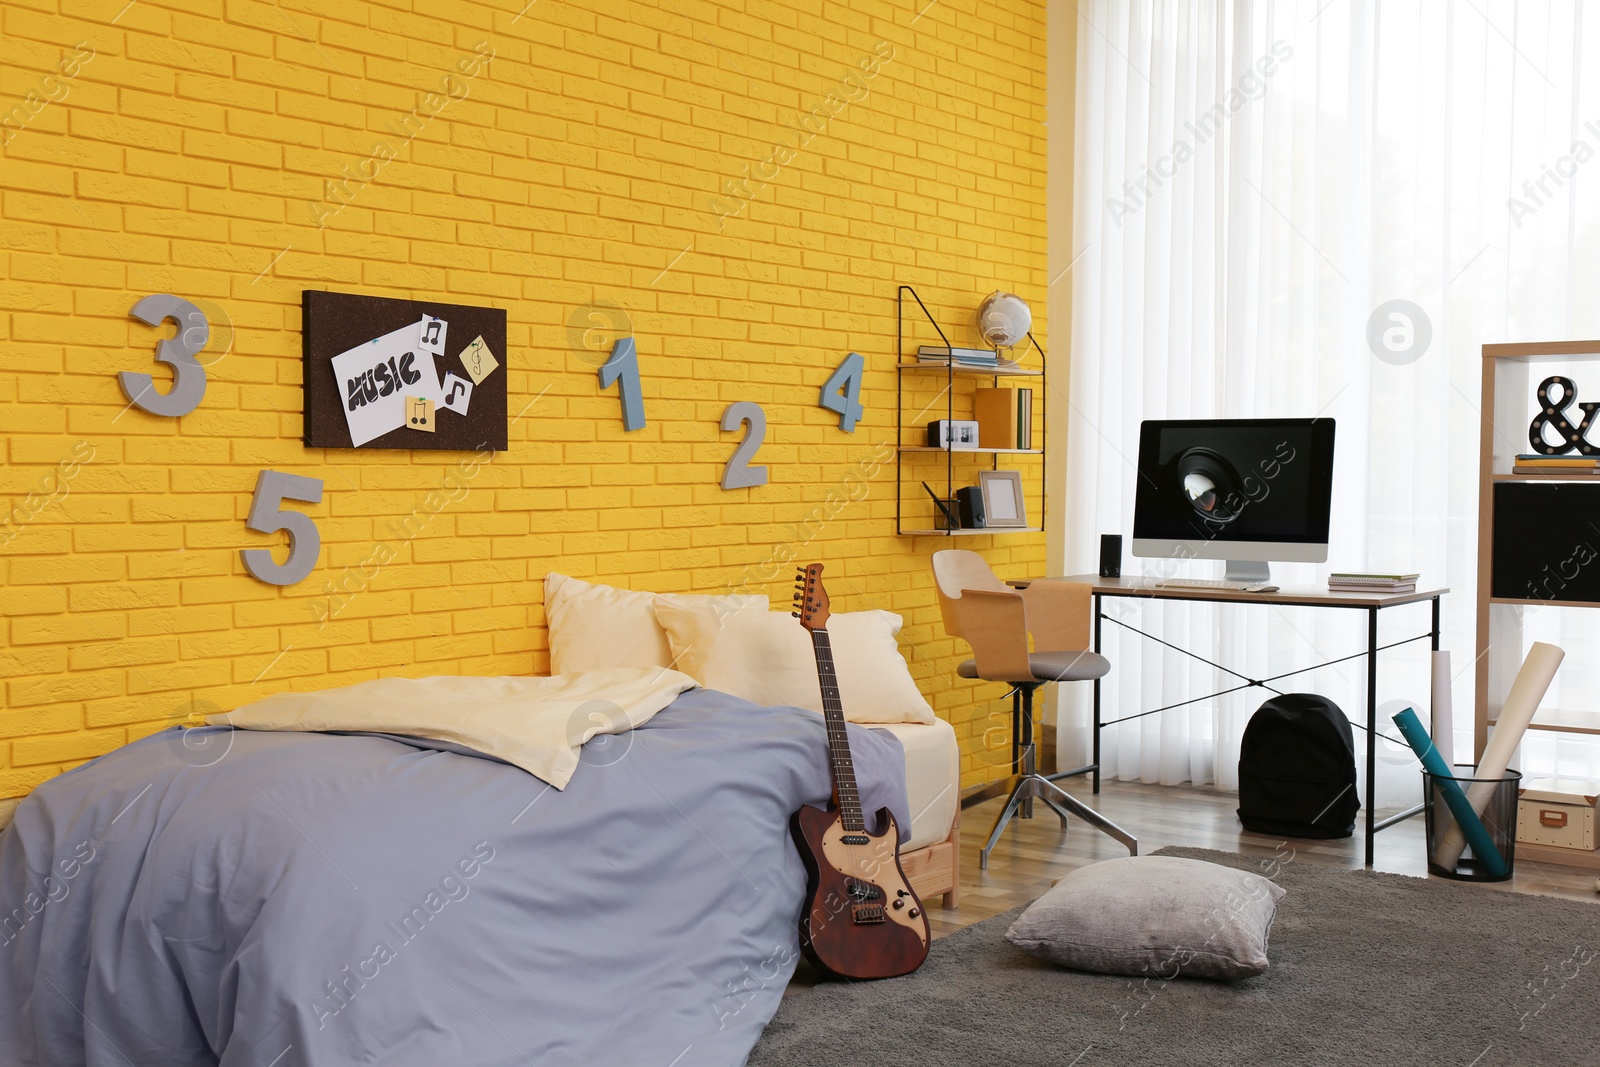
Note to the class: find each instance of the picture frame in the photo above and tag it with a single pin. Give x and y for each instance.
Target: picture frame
(1003, 504)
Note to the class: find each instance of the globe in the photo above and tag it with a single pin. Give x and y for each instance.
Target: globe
(1004, 319)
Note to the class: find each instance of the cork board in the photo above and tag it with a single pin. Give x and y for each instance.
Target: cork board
(337, 324)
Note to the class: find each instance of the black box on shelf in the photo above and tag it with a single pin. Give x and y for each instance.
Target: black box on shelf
(1546, 542)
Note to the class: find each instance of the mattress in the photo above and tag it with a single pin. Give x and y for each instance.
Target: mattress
(933, 778)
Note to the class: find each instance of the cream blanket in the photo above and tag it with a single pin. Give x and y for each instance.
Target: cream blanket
(537, 724)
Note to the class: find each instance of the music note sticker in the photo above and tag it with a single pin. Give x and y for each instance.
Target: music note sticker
(419, 414)
(457, 393)
(432, 334)
(478, 360)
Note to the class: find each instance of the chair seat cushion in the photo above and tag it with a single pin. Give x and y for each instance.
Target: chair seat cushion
(1050, 667)
(1154, 916)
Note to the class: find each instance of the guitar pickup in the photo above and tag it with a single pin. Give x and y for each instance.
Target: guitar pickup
(862, 891)
(855, 839)
(868, 914)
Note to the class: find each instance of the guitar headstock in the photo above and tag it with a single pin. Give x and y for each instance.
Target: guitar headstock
(810, 599)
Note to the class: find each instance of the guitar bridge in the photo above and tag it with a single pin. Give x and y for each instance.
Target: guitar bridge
(868, 914)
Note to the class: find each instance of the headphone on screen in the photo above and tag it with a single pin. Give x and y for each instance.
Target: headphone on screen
(1210, 484)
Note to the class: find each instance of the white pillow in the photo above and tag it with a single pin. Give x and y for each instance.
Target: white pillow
(594, 627)
(767, 658)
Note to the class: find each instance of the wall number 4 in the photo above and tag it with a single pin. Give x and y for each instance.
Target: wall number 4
(268, 516)
(842, 392)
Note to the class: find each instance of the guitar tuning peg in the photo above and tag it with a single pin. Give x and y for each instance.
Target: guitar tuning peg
(794, 614)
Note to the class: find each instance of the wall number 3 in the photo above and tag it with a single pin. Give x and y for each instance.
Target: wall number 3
(188, 376)
(268, 516)
(738, 474)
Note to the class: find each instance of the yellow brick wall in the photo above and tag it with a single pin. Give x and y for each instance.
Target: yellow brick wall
(642, 154)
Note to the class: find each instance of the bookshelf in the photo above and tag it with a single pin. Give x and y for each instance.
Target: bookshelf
(1511, 373)
(953, 390)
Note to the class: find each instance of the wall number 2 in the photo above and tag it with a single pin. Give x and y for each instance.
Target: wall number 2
(842, 392)
(738, 474)
(188, 376)
(267, 516)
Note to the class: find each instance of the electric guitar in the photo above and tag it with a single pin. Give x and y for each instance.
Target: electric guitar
(861, 917)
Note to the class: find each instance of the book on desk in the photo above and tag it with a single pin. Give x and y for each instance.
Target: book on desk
(1365, 582)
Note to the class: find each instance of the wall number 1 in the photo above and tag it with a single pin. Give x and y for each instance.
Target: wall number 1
(842, 392)
(623, 367)
(268, 516)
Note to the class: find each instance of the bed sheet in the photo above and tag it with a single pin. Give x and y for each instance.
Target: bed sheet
(257, 899)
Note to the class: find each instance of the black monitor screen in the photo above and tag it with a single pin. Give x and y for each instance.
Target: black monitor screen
(1235, 480)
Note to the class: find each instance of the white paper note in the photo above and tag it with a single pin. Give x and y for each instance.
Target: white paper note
(431, 334)
(457, 392)
(375, 378)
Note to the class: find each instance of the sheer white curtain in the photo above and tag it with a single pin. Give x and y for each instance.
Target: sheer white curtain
(1253, 180)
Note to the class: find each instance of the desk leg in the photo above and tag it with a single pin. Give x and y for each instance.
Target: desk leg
(1372, 724)
(1096, 756)
(1435, 626)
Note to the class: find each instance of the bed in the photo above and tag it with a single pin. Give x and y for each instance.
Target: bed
(273, 897)
(320, 894)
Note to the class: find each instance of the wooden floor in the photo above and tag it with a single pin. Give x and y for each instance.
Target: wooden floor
(1033, 854)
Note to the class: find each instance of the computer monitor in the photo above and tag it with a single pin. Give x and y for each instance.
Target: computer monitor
(1247, 491)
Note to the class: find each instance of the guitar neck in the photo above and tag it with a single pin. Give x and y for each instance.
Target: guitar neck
(845, 794)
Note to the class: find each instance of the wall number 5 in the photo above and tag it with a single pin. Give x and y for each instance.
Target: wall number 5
(266, 516)
(188, 376)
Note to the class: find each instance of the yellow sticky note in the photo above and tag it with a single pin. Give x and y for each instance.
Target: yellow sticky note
(419, 414)
(478, 360)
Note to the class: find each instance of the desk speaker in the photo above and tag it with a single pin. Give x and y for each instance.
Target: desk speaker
(969, 502)
(1111, 555)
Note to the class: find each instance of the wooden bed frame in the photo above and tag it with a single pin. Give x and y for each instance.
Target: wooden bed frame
(935, 870)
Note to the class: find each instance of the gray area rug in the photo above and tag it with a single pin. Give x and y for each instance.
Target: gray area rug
(1367, 968)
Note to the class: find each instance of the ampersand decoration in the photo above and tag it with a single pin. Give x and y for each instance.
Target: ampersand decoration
(1552, 413)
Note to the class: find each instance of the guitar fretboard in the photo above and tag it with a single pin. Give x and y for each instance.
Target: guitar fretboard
(845, 795)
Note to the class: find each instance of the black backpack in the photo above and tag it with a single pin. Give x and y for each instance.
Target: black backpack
(1297, 769)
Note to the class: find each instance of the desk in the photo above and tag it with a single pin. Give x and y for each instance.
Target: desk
(1371, 603)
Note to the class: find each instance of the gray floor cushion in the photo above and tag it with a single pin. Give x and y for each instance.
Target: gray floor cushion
(1159, 916)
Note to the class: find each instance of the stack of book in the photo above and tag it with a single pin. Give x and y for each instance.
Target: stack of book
(1005, 417)
(1359, 582)
(1531, 464)
(962, 357)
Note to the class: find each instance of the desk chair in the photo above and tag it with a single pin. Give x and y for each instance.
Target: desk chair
(996, 620)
